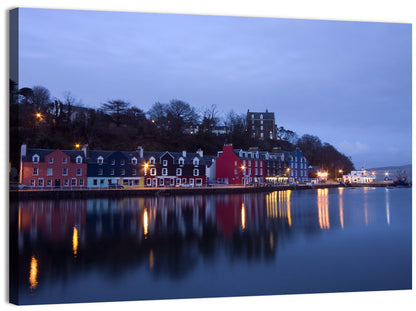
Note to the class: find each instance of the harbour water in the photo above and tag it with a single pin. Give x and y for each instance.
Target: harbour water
(283, 242)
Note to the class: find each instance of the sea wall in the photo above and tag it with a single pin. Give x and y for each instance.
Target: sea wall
(141, 192)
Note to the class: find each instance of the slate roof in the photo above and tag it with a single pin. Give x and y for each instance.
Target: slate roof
(42, 153)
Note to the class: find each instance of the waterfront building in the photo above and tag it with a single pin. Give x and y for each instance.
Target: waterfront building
(115, 168)
(277, 166)
(298, 166)
(359, 177)
(47, 168)
(239, 167)
(175, 169)
(261, 125)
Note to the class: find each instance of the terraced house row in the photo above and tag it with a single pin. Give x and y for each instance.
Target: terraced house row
(46, 168)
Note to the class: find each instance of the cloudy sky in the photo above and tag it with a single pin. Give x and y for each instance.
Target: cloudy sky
(349, 83)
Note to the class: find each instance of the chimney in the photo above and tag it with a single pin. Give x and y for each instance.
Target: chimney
(184, 153)
(200, 152)
(85, 149)
(23, 150)
(140, 150)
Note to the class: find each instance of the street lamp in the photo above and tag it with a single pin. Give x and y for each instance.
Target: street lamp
(77, 146)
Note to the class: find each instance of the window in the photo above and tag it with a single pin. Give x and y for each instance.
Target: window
(79, 171)
(40, 182)
(64, 160)
(32, 183)
(164, 171)
(178, 181)
(35, 171)
(244, 162)
(191, 181)
(100, 160)
(196, 172)
(134, 161)
(73, 182)
(134, 172)
(112, 171)
(249, 163)
(196, 162)
(49, 183)
(153, 171)
(49, 171)
(66, 182)
(181, 161)
(261, 122)
(261, 171)
(122, 162)
(198, 181)
(165, 162)
(161, 182)
(100, 171)
(255, 172)
(261, 135)
(78, 160)
(252, 116)
(94, 182)
(65, 171)
(178, 172)
(35, 159)
(255, 163)
(81, 182)
(50, 160)
(152, 160)
(184, 180)
(113, 162)
(261, 116)
(261, 164)
(123, 172)
(235, 171)
(149, 181)
(261, 127)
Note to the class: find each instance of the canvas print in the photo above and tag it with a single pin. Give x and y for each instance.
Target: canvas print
(168, 156)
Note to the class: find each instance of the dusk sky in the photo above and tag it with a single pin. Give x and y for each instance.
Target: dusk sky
(349, 83)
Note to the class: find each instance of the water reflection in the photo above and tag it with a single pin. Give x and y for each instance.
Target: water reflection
(169, 237)
(341, 206)
(323, 206)
(33, 276)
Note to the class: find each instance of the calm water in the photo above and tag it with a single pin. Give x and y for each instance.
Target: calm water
(329, 240)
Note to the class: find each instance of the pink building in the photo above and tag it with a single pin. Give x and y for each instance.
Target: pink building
(45, 168)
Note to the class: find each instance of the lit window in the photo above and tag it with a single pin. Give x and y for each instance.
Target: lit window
(49, 172)
(153, 171)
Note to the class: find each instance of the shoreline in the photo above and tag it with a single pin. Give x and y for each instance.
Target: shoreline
(16, 195)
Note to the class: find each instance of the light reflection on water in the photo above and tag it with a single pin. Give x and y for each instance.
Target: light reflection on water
(178, 243)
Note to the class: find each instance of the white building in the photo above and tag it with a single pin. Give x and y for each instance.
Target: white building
(359, 177)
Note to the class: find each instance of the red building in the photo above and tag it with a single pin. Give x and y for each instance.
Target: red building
(239, 167)
(44, 168)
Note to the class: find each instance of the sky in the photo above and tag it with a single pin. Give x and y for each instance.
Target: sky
(349, 83)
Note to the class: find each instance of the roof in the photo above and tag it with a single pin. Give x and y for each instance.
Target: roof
(42, 153)
(266, 115)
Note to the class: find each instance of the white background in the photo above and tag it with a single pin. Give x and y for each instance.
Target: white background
(402, 11)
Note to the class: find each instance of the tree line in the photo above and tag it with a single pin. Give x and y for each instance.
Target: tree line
(40, 120)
